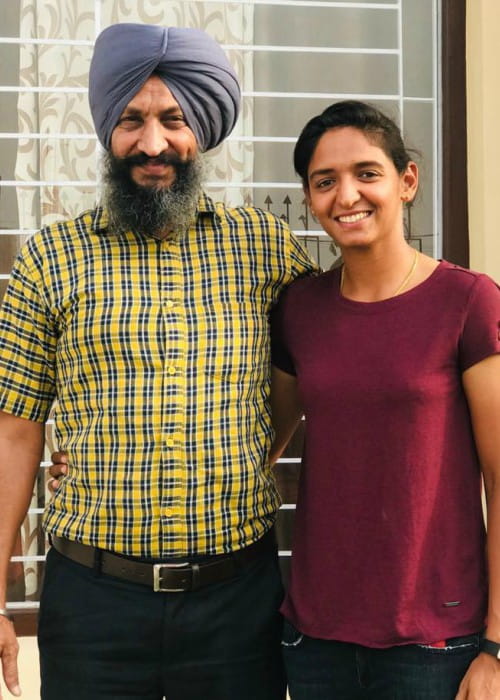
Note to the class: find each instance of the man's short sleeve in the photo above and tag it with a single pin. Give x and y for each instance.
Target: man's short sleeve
(27, 348)
(301, 262)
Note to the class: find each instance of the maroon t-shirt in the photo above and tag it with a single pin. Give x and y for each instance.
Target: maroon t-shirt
(389, 539)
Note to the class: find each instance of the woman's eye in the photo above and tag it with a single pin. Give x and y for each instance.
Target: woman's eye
(325, 183)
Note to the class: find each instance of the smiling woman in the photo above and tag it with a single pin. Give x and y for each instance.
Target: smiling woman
(355, 191)
(357, 175)
(395, 362)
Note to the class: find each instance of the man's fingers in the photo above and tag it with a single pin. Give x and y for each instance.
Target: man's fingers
(9, 659)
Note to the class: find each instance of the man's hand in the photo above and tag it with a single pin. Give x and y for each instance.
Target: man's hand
(8, 650)
(58, 469)
(482, 680)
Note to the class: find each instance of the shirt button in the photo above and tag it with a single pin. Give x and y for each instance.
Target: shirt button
(170, 442)
(168, 512)
(171, 370)
(169, 303)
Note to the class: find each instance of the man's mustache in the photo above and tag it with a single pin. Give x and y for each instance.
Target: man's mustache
(144, 159)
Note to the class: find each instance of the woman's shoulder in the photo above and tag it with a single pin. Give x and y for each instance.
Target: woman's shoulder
(307, 292)
(461, 278)
(463, 274)
(315, 282)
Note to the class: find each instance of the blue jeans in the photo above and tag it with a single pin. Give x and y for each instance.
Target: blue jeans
(101, 637)
(320, 669)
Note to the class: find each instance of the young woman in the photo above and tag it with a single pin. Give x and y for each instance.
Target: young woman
(394, 359)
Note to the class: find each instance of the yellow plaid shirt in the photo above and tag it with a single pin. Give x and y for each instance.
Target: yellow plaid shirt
(155, 357)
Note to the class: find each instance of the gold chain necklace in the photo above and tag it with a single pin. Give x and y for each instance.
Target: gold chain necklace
(403, 284)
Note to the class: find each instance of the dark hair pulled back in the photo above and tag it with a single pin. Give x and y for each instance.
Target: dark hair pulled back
(360, 115)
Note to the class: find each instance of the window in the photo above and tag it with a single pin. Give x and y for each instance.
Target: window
(294, 57)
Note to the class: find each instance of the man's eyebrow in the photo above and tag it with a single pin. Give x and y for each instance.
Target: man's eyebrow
(132, 111)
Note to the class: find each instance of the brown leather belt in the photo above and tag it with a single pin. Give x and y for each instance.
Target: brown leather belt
(172, 577)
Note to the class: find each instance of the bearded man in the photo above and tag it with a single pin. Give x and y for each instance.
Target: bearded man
(144, 324)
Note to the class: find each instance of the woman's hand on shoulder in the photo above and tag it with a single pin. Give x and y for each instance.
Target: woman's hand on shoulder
(57, 470)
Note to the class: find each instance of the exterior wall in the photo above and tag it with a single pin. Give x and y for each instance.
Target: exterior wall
(483, 107)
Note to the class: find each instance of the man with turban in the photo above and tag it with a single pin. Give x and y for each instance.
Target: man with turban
(144, 324)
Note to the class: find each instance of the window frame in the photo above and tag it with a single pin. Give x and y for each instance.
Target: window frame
(455, 215)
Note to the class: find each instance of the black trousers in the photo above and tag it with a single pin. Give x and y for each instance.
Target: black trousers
(100, 637)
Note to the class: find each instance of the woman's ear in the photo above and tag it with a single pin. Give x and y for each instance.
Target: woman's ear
(409, 182)
(307, 196)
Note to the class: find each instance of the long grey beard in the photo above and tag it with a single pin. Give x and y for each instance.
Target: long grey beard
(151, 211)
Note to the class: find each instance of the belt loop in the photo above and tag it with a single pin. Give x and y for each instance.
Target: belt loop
(195, 580)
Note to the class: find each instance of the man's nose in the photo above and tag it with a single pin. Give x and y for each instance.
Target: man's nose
(153, 140)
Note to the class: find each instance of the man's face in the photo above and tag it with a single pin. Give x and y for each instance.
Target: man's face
(151, 131)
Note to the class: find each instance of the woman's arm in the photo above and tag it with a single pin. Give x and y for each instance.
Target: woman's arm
(286, 410)
(482, 387)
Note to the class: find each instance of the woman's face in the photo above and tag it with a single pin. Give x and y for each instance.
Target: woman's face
(354, 189)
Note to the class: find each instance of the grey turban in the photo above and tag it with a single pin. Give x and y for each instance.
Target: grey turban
(191, 63)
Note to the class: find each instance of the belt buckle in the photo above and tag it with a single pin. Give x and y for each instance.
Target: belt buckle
(157, 587)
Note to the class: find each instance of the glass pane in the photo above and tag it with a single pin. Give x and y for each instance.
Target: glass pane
(10, 248)
(348, 74)
(421, 218)
(418, 50)
(9, 60)
(326, 27)
(286, 116)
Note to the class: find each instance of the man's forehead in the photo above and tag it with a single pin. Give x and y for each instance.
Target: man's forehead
(156, 94)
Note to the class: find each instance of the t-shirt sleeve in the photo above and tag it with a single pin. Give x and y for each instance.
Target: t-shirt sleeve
(481, 330)
(27, 348)
(280, 355)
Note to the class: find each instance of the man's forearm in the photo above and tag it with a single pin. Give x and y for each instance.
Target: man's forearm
(21, 447)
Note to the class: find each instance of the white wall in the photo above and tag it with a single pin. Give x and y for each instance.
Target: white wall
(483, 108)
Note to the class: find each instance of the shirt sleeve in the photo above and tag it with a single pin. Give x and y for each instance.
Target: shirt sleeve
(301, 262)
(481, 330)
(27, 348)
